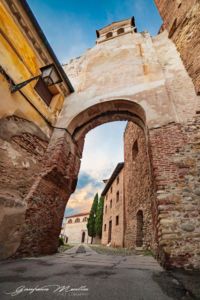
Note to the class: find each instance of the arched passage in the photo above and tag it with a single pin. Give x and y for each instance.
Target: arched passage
(58, 177)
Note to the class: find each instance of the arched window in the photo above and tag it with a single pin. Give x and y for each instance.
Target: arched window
(69, 221)
(106, 209)
(77, 220)
(120, 31)
(85, 219)
(109, 35)
(111, 203)
(104, 227)
(139, 228)
(135, 150)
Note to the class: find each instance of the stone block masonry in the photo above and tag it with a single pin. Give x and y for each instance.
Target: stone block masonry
(176, 168)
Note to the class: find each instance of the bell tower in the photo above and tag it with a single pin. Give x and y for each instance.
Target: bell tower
(115, 29)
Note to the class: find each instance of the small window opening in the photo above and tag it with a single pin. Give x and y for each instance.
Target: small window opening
(109, 35)
(117, 196)
(120, 31)
(135, 150)
(117, 220)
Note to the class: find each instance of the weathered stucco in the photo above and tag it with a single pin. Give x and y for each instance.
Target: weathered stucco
(133, 67)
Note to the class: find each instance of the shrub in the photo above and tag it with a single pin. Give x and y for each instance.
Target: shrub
(61, 241)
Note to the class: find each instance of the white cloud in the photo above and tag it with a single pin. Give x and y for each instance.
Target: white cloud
(82, 199)
(102, 152)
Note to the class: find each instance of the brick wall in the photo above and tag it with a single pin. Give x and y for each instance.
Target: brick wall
(137, 187)
(22, 146)
(181, 19)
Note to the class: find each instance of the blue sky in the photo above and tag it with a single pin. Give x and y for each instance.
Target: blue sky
(70, 26)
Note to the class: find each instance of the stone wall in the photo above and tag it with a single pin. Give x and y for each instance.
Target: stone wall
(176, 164)
(181, 19)
(22, 146)
(138, 190)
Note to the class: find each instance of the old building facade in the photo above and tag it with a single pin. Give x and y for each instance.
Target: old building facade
(113, 213)
(126, 76)
(75, 229)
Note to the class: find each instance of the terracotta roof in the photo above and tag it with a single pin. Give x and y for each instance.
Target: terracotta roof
(78, 215)
(116, 171)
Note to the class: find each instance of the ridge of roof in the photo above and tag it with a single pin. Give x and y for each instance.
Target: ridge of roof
(116, 171)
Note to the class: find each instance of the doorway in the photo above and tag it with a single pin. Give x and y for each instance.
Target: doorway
(83, 237)
(139, 229)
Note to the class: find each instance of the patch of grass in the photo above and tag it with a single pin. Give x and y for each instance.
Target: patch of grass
(64, 247)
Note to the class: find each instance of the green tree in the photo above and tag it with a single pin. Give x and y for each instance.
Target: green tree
(99, 217)
(92, 218)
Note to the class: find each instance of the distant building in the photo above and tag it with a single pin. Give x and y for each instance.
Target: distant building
(113, 216)
(74, 230)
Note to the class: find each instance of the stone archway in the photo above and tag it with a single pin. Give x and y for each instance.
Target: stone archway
(51, 190)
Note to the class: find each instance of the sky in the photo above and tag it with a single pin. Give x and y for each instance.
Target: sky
(70, 27)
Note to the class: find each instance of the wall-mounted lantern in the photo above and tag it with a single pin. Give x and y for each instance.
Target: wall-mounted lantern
(49, 75)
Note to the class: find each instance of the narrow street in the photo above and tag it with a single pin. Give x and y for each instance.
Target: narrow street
(83, 273)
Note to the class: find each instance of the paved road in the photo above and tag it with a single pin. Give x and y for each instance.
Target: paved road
(83, 274)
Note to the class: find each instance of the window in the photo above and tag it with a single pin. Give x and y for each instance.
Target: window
(43, 91)
(117, 196)
(135, 150)
(69, 221)
(106, 209)
(111, 189)
(120, 31)
(111, 203)
(85, 219)
(118, 180)
(117, 220)
(77, 220)
(104, 227)
(109, 35)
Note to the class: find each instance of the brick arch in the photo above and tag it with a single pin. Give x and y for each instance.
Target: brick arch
(104, 112)
(59, 173)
